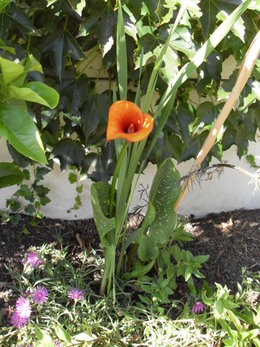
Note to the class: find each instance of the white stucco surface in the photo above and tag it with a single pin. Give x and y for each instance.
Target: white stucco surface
(231, 190)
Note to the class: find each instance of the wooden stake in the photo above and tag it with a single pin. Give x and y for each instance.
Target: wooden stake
(246, 68)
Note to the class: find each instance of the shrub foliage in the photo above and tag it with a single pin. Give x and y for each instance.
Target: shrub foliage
(66, 37)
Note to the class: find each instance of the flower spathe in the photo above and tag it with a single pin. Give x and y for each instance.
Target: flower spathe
(126, 121)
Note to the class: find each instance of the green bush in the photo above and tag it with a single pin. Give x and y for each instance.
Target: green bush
(66, 37)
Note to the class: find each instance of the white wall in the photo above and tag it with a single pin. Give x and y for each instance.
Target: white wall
(232, 190)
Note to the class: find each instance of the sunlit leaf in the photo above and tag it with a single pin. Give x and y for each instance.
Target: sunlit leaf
(11, 70)
(19, 129)
(35, 92)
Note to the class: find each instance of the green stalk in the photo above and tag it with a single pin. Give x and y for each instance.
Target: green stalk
(116, 171)
(109, 270)
(121, 253)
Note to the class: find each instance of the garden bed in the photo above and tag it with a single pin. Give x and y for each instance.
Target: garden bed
(231, 239)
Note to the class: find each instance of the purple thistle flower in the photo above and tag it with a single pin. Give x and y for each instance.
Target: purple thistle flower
(23, 307)
(198, 307)
(18, 321)
(57, 343)
(40, 295)
(33, 259)
(76, 294)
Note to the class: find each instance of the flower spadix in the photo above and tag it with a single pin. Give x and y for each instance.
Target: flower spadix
(127, 121)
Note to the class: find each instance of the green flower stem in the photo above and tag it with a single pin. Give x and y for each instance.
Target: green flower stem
(116, 172)
(119, 264)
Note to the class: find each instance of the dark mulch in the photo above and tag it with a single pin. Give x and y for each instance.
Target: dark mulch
(231, 239)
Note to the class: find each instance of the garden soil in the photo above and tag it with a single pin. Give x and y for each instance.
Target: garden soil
(231, 239)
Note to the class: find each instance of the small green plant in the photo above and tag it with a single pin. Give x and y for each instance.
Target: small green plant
(237, 320)
(35, 194)
(75, 178)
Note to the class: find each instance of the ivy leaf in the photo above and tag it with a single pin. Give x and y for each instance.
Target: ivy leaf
(209, 16)
(210, 72)
(10, 175)
(184, 119)
(182, 41)
(106, 31)
(238, 28)
(78, 5)
(207, 113)
(59, 45)
(165, 10)
(19, 159)
(100, 166)
(95, 11)
(95, 112)
(149, 44)
(74, 95)
(69, 153)
(171, 62)
(20, 20)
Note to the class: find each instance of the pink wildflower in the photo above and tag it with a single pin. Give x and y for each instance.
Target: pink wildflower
(18, 321)
(76, 294)
(23, 307)
(33, 259)
(198, 307)
(40, 295)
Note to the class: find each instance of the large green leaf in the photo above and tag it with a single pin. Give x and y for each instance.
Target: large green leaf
(10, 175)
(163, 195)
(35, 92)
(100, 192)
(20, 130)
(10, 70)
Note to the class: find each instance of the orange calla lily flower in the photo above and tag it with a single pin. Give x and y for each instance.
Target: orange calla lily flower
(127, 121)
